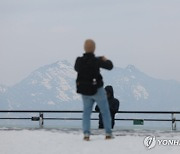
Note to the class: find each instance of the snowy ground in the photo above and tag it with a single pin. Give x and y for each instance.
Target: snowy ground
(55, 141)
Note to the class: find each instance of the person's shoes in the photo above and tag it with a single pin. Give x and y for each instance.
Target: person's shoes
(86, 137)
(109, 137)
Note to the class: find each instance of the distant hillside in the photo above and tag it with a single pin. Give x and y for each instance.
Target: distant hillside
(53, 87)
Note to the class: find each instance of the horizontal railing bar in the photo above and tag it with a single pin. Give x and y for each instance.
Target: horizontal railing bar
(78, 111)
(39, 111)
(151, 112)
(15, 118)
(64, 119)
(150, 119)
(115, 119)
(41, 117)
(91, 119)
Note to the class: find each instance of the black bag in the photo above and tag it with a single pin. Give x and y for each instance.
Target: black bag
(87, 79)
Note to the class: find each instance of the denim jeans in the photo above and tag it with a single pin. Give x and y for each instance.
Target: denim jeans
(88, 101)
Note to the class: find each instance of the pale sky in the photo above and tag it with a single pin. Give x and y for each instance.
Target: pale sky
(145, 33)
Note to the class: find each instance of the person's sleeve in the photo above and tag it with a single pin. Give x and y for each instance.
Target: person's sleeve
(77, 64)
(105, 64)
(97, 108)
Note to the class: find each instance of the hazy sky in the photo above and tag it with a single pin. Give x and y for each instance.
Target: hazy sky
(145, 33)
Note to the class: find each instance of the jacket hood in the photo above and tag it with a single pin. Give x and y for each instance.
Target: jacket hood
(110, 90)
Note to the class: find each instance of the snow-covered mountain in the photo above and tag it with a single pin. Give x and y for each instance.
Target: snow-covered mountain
(3, 102)
(3, 89)
(46, 88)
(53, 87)
(138, 91)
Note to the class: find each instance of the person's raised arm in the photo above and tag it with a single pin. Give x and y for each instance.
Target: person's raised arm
(105, 63)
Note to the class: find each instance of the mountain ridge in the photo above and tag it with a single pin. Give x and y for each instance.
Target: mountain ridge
(53, 87)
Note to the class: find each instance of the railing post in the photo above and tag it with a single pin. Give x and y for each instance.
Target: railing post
(173, 121)
(41, 120)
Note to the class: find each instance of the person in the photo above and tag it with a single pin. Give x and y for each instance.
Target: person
(89, 84)
(113, 106)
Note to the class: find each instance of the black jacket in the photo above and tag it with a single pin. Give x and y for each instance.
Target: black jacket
(113, 102)
(89, 58)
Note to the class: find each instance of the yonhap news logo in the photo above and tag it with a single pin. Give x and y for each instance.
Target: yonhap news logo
(151, 141)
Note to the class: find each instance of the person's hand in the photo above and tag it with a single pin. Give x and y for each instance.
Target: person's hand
(104, 58)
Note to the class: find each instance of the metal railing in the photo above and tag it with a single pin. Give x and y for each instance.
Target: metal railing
(41, 117)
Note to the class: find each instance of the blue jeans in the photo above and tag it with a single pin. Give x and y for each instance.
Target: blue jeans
(88, 101)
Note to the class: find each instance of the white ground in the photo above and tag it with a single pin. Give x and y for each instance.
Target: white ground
(70, 142)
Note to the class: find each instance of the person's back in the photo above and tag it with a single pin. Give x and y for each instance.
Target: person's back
(113, 102)
(113, 106)
(90, 84)
(88, 68)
